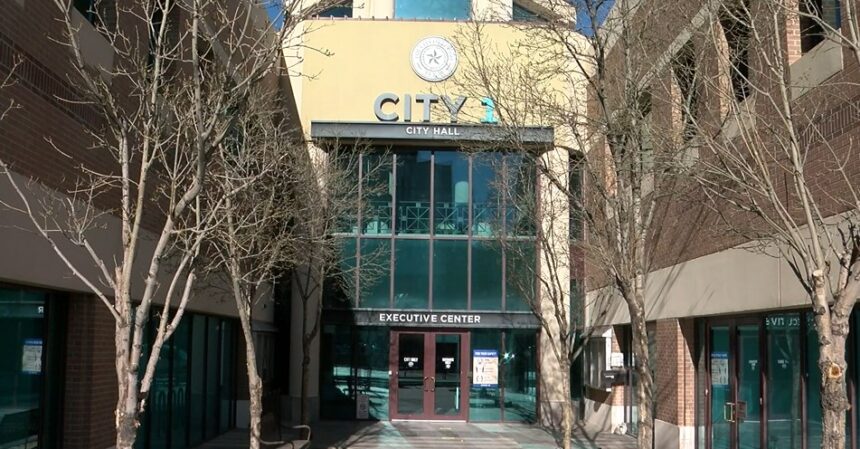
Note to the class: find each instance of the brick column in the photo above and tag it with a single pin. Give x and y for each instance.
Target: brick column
(90, 377)
(675, 385)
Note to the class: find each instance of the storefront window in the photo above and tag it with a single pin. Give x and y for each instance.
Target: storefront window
(485, 401)
(27, 371)
(520, 375)
(433, 9)
(354, 362)
(784, 375)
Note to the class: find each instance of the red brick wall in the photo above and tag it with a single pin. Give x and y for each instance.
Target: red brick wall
(90, 378)
(675, 383)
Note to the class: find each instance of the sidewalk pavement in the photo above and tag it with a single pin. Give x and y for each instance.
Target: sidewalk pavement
(434, 435)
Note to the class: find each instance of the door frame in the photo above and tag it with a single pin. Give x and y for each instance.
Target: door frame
(732, 323)
(429, 363)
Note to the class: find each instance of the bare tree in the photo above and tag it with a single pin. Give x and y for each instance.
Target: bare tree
(775, 175)
(181, 70)
(538, 233)
(252, 243)
(590, 86)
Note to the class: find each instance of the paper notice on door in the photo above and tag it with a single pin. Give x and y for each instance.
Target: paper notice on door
(719, 368)
(31, 356)
(485, 368)
(362, 406)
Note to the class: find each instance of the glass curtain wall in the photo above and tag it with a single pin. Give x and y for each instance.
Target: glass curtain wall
(514, 398)
(427, 235)
(354, 362)
(194, 388)
(433, 9)
(30, 368)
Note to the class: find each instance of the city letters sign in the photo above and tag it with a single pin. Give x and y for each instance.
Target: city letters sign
(425, 102)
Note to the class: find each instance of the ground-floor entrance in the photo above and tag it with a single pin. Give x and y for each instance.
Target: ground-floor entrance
(430, 375)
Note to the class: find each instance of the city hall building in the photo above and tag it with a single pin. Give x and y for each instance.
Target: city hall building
(440, 332)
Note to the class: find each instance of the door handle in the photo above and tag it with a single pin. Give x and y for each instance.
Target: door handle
(433, 379)
(424, 382)
(729, 412)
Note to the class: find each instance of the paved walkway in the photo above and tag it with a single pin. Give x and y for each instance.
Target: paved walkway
(434, 435)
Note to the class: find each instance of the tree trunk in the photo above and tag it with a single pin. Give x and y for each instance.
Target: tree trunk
(834, 399)
(255, 385)
(644, 387)
(126, 406)
(567, 424)
(306, 361)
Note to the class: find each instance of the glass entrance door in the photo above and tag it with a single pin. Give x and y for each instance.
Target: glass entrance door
(735, 386)
(428, 378)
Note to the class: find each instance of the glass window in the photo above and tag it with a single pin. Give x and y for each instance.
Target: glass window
(374, 273)
(197, 376)
(486, 275)
(519, 365)
(344, 10)
(484, 401)
(521, 14)
(413, 192)
(371, 355)
(226, 370)
(521, 200)
(335, 372)
(486, 203)
(179, 384)
(411, 274)
(339, 289)
(347, 164)
(159, 397)
(783, 392)
(520, 275)
(377, 192)
(212, 378)
(21, 371)
(451, 193)
(813, 385)
(450, 274)
(433, 9)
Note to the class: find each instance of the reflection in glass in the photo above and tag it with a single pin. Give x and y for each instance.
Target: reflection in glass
(159, 398)
(225, 371)
(212, 378)
(339, 288)
(413, 192)
(179, 384)
(447, 375)
(371, 355)
(411, 274)
(484, 402)
(783, 392)
(486, 275)
(336, 372)
(520, 197)
(198, 380)
(486, 201)
(410, 374)
(721, 390)
(519, 364)
(520, 278)
(749, 387)
(374, 273)
(451, 193)
(450, 274)
(21, 371)
(378, 192)
(433, 9)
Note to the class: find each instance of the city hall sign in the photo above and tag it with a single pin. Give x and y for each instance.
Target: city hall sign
(388, 108)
